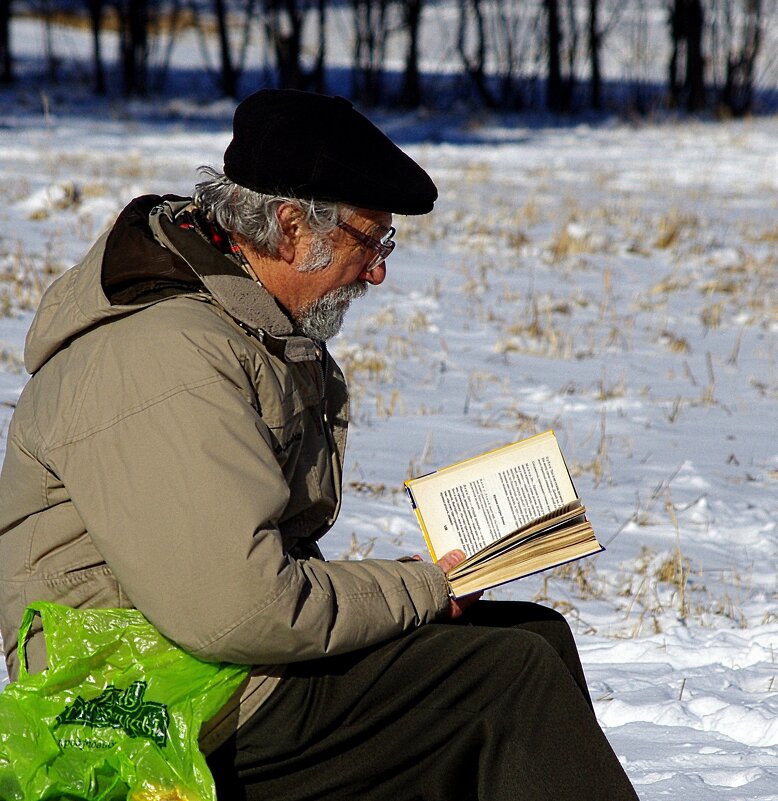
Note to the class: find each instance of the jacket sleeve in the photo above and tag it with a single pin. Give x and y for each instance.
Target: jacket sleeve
(181, 494)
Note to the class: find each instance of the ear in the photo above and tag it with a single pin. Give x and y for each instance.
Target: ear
(290, 220)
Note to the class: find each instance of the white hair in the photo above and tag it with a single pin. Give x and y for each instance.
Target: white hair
(253, 215)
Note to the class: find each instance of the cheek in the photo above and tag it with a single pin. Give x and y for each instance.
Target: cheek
(346, 269)
(319, 255)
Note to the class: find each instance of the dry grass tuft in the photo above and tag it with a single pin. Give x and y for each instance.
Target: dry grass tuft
(675, 343)
(24, 277)
(673, 226)
(363, 361)
(574, 239)
(359, 550)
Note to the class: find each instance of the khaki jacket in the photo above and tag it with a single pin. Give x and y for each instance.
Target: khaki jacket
(180, 452)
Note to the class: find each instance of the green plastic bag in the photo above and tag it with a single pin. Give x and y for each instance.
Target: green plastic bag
(116, 714)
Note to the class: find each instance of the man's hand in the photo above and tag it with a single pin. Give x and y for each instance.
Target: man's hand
(456, 605)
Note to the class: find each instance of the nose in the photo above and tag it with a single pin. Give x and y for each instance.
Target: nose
(376, 276)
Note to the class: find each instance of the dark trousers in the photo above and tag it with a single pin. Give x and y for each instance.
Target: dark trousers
(491, 708)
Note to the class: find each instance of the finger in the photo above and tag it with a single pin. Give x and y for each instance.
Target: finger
(450, 560)
(461, 604)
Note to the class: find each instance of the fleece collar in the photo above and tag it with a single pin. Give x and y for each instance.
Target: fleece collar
(236, 292)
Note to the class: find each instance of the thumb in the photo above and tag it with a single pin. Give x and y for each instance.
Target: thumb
(450, 560)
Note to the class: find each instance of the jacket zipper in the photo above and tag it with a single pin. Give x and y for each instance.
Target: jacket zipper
(323, 399)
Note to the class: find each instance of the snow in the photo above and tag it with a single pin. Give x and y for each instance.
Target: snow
(616, 282)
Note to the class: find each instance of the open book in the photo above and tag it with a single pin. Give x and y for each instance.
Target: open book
(513, 511)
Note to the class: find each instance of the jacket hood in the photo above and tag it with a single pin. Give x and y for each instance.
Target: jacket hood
(152, 253)
(124, 271)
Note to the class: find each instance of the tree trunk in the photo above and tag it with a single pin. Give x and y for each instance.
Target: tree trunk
(284, 24)
(133, 21)
(410, 95)
(475, 65)
(695, 62)
(96, 23)
(509, 95)
(687, 19)
(318, 75)
(229, 75)
(554, 42)
(738, 92)
(673, 80)
(52, 62)
(568, 80)
(595, 41)
(6, 59)
(369, 48)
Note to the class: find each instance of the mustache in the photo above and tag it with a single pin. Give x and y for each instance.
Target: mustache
(343, 295)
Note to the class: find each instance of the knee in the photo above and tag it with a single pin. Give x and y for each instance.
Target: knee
(520, 647)
(554, 617)
(558, 622)
(545, 614)
(554, 626)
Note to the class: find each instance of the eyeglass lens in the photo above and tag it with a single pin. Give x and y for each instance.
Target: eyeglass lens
(382, 247)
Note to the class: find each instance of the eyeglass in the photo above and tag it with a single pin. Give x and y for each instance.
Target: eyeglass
(382, 247)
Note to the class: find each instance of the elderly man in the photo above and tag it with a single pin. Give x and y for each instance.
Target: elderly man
(179, 449)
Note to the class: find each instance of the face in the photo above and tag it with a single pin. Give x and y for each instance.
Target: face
(325, 292)
(316, 281)
(349, 257)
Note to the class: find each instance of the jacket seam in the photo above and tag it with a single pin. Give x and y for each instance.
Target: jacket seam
(30, 543)
(319, 596)
(132, 411)
(71, 292)
(253, 612)
(84, 388)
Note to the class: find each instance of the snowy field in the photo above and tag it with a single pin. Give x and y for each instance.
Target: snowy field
(616, 283)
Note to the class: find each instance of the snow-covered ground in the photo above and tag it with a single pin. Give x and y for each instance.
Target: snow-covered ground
(618, 283)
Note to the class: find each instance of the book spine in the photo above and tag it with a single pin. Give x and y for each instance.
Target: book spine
(421, 523)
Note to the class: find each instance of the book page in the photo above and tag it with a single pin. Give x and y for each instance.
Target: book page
(535, 555)
(471, 504)
(572, 513)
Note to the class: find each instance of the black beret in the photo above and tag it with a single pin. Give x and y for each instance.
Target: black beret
(306, 145)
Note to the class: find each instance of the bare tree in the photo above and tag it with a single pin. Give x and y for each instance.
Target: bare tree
(173, 16)
(496, 42)
(597, 32)
(371, 29)
(737, 94)
(554, 44)
(133, 18)
(317, 78)
(47, 10)
(515, 32)
(471, 24)
(410, 94)
(284, 24)
(232, 54)
(229, 74)
(687, 19)
(562, 50)
(6, 60)
(571, 57)
(96, 8)
(594, 45)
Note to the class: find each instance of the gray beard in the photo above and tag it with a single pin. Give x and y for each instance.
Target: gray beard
(323, 318)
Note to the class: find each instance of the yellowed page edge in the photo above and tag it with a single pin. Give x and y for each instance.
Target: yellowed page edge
(540, 545)
(485, 579)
